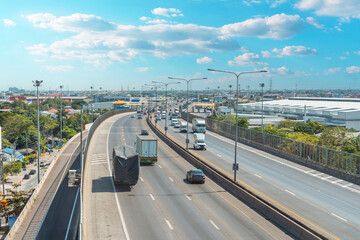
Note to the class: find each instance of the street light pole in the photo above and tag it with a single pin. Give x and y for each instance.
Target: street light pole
(166, 102)
(37, 84)
(235, 166)
(262, 85)
(187, 104)
(61, 86)
(92, 104)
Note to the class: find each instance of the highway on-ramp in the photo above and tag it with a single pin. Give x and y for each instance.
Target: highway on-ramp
(329, 205)
(162, 205)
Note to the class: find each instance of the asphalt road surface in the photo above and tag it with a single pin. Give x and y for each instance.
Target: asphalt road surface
(329, 205)
(162, 205)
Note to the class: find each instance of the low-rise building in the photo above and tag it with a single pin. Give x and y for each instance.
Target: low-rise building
(331, 111)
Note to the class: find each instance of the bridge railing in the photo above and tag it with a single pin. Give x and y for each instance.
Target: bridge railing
(339, 163)
(38, 189)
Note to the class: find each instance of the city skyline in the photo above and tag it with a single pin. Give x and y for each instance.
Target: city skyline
(308, 44)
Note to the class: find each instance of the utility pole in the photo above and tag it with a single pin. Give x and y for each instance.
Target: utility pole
(37, 84)
(61, 128)
(2, 165)
(92, 104)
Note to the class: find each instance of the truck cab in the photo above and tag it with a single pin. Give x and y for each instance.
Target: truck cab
(199, 141)
(198, 125)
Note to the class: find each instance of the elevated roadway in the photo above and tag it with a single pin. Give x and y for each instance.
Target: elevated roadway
(32, 221)
(162, 205)
(327, 204)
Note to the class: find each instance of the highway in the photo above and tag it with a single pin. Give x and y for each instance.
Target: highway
(325, 203)
(162, 205)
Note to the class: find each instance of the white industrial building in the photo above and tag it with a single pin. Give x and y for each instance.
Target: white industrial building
(332, 111)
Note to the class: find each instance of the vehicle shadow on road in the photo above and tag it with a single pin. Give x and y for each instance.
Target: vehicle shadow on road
(104, 184)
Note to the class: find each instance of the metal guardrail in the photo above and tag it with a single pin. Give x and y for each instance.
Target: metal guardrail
(270, 211)
(342, 164)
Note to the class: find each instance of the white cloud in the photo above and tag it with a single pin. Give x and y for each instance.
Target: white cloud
(247, 59)
(342, 58)
(143, 69)
(39, 60)
(266, 54)
(332, 8)
(59, 68)
(157, 21)
(353, 69)
(295, 51)
(99, 42)
(73, 23)
(9, 23)
(357, 52)
(328, 58)
(332, 70)
(279, 26)
(314, 22)
(338, 28)
(167, 12)
(272, 3)
(204, 60)
(143, 18)
(38, 49)
(284, 71)
(244, 49)
(277, 3)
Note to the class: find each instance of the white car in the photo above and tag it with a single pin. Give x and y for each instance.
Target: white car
(177, 124)
(173, 121)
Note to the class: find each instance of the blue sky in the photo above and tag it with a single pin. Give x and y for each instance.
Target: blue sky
(111, 44)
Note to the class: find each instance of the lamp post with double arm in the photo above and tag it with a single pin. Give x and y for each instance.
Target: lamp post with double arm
(235, 165)
(187, 104)
(166, 102)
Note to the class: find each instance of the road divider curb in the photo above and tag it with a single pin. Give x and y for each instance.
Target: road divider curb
(268, 210)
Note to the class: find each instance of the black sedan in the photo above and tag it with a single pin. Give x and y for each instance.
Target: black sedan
(144, 132)
(195, 175)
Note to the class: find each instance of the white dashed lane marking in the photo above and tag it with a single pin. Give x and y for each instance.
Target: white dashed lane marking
(169, 224)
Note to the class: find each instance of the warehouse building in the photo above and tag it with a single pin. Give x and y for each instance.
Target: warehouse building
(332, 111)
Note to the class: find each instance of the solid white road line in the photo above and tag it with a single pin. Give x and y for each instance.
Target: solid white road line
(336, 181)
(152, 197)
(169, 224)
(310, 171)
(326, 177)
(339, 217)
(317, 174)
(188, 197)
(256, 175)
(347, 185)
(217, 228)
(218, 155)
(141, 179)
(127, 237)
(171, 179)
(290, 192)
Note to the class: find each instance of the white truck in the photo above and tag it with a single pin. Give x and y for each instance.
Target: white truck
(199, 141)
(183, 127)
(198, 125)
(146, 147)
